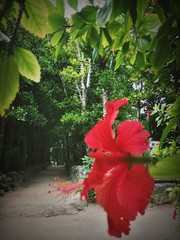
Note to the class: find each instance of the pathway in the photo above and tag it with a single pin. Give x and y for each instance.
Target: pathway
(30, 213)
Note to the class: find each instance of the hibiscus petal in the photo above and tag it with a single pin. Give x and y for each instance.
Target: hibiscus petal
(112, 109)
(94, 177)
(132, 138)
(101, 137)
(102, 164)
(117, 228)
(123, 193)
(134, 191)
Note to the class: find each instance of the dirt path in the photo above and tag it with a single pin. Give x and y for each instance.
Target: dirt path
(31, 213)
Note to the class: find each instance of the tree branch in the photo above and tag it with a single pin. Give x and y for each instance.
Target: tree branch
(17, 23)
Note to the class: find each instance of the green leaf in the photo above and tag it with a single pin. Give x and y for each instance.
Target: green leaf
(88, 14)
(27, 64)
(125, 48)
(119, 60)
(49, 5)
(104, 13)
(56, 21)
(60, 7)
(91, 1)
(73, 4)
(127, 23)
(140, 61)
(118, 42)
(9, 82)
(150, 25)
(95, 53)
(167, 129)
(37, 17)
(142, 44)
(100, 47)
(60, 46)
(107, 36)
(160, 54)
(174, 110)
(4, 22)
(133, 59)
(141, 6)
(82, 31)
(77, 20)
(56, 37)
(93, 37)
(167, 168)
(114, 29)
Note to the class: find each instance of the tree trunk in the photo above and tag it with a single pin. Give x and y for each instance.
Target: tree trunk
(85, 80)
(8, 149)
(2, 130)
(32, 145)
(67, 156)
(138, 110)
(104, 100)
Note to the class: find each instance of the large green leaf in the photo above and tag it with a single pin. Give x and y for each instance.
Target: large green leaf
(82, 31)
(142, 44)
(160, 54)
(56, 37)
(60, 45)
(104, 13)
(60, 7)
(125, 48)
(140, 60)
(37, 19)
(56, 21)
(73, 4)
(150, 26)
(9, 82)
(141, 6)
(114, 29)
(93, 37)
(107, 36)
(91, 1)
(127, 23)
(119, 7)
(27, 64)
(118, 42)
(77, 20)
(88, 14)
(168, 128)
(119, 60)
(167, 168)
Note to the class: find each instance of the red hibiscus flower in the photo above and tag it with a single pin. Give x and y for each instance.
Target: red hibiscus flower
(121, 189)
